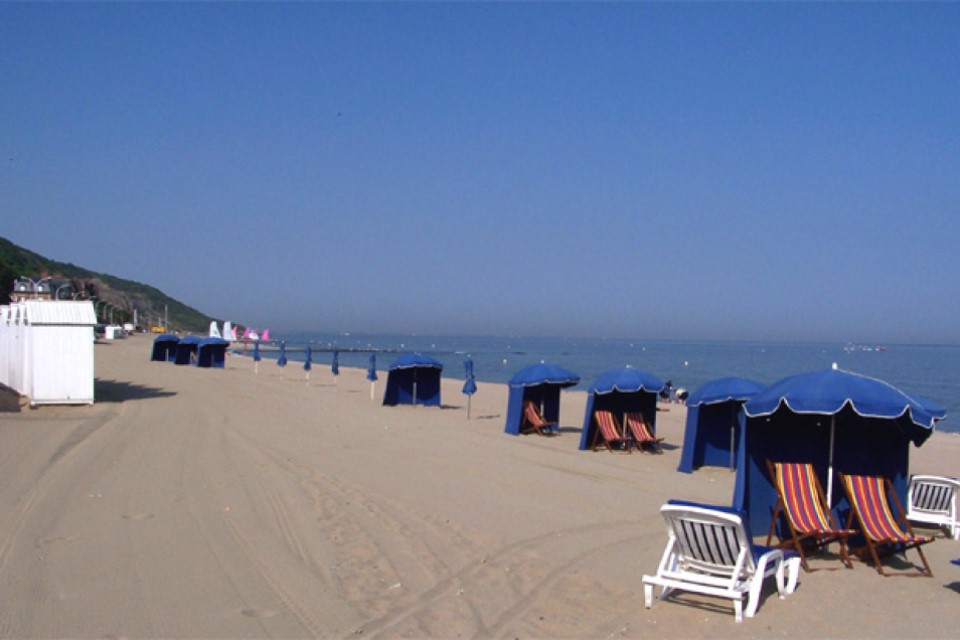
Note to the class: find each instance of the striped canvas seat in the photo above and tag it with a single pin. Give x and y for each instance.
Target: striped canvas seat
(884, 532)
(933, 500)
(710, 551)
(800, 498)
(534, 421)
(609, 433)
(641, 432)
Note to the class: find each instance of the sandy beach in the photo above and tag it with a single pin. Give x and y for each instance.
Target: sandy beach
(220, 503)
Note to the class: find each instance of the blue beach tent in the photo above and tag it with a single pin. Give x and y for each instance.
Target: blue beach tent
(212, 352)
(164, 348)
(620, 391)
(540, 383)
(187, 350)
(413, 378)
(712, 430)
(838, 421)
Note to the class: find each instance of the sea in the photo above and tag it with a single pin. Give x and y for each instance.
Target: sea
(930, 371)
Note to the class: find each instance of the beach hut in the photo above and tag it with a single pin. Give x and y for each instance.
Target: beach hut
(413, 378)
(713, 410)
(540, 383)
(620, 391)
(57, 356)
(164, 348)
(838, 421)
(212, 352)
(187, 350)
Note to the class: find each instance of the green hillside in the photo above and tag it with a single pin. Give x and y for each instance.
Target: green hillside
(119, 297)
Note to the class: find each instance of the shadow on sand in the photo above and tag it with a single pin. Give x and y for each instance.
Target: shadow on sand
(116, 391)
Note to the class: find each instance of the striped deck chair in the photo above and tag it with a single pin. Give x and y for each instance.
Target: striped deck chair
(884, 533)
(710, 551)
(641, 432)
(534, 421)
(802, 501)
(609, 434)
(933, 500)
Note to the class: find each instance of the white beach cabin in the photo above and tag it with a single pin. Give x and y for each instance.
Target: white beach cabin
(58, 351)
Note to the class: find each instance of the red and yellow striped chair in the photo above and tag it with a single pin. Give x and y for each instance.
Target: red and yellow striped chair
(884, 533)
(533, 420)
(609, 432)
(802, 501)
(640, 430)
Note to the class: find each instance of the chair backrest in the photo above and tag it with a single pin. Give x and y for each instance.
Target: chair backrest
(608, 425)
(932, 493)
(533, 413)
(638, 427)
(710, 539)
(803, 499)
(868, 497)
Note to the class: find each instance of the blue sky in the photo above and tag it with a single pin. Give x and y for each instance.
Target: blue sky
(641, 170)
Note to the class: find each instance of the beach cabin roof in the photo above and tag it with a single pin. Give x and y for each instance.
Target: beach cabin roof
(61, 313)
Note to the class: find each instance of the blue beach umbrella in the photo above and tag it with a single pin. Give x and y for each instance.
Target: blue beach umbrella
(541, 384)
(710, 436)
(469, 385)
(621, 391)
(834, 419)
(256, 357)
(308, 362)
(372, 374)
(282, 360)
(335, 365)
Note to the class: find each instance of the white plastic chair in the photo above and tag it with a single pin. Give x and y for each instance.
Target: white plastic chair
(933, 500)
(710, 551)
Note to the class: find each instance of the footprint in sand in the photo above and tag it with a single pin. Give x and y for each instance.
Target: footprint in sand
(137, 516)
(259, 613)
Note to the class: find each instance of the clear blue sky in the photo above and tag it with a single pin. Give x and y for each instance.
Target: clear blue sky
(773, 171)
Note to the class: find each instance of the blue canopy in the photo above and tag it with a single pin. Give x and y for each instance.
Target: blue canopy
(710, 436)
(335, 363)
(282, 359)
(540, 383)
(186, 349)
(308, 360)
(372, 368)
(538, 374)
(164, 348)
(620, 391)
(212, 352)
(413, 378)
(834, 419)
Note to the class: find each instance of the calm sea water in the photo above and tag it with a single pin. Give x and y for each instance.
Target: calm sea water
(931, 371)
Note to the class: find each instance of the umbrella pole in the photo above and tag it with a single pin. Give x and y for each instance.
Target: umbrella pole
(833, 424)
(372, 385)
(468, 407)
(732, 439)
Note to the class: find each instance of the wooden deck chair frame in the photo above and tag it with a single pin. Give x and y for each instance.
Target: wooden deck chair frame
(609, 433)
(710, 552)
(885, 533)
(534, 422)
(932, 500)
(802, 501)
(636, 422)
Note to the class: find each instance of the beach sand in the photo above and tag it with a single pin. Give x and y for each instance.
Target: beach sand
(221, 503)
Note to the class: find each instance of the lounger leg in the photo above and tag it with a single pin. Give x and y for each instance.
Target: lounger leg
(738, 609)
(648, 595)
(792, 568)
